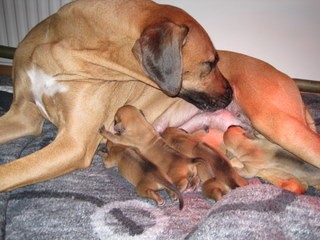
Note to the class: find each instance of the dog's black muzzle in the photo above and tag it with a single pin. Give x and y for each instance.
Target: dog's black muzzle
(206, 103)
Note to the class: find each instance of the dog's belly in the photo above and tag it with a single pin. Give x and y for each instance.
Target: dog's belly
(219, 120)
(191, 119)
(179, 114)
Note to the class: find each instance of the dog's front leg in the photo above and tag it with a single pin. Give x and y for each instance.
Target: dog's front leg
(65, 154)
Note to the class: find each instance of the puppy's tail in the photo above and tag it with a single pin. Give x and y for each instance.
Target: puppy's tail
(165, 180)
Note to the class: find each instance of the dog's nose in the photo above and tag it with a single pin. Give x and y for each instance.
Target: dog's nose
(225, 99)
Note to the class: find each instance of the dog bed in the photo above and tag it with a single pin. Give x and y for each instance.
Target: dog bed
(97, 203)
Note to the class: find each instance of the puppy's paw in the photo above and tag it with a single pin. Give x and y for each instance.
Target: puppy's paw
(214, 189)
(161, 202)
(102, 130)
(173, 196)
(194, 183)
(154, 196)
(103, 154)
(182, 184)
(109, 135)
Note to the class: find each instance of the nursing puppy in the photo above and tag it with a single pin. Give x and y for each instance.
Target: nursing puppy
(256, 156)
(225, 177)
(140, 172)
(132, 129)
(250, 153)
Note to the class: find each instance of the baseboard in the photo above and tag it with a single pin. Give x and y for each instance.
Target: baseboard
(5, 70)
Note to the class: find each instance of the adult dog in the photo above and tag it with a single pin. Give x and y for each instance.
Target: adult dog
(77, 67)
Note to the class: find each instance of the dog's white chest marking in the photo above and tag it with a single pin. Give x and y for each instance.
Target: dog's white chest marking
(43, 84)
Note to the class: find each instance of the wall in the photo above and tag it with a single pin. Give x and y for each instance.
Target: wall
(285, 33)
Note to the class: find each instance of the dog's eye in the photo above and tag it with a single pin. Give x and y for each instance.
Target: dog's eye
(209, 66)
(212, 64)
(206, 68)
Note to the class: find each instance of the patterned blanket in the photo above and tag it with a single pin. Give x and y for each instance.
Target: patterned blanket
(97, 203)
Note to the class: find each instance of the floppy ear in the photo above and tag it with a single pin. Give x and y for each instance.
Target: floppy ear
(159, 52)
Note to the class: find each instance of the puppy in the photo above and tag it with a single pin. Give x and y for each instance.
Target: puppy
(133, 130)
(252, 155)
(140, 172)
(256, 156)
(226, 178)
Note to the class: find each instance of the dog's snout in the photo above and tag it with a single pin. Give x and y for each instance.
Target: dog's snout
(208, 103)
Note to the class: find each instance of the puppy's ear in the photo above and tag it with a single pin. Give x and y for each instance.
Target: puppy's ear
(159, 52)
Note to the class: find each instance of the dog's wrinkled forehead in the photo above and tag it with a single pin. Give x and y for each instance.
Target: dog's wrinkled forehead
(198, 47)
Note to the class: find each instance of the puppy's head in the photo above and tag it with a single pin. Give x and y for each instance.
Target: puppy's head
(182, 60)
(130, 122)
(173, 134)
(179, 139)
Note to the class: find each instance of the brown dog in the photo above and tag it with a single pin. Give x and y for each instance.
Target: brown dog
(133, 129)
(77, 67)
(226, 178)
(140, 172)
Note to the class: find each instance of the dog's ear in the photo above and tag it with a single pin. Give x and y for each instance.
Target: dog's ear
(159, 52)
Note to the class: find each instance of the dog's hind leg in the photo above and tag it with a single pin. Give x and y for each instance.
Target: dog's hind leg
(22, 119)
(284, 180)
(293, 134)
(65, 154)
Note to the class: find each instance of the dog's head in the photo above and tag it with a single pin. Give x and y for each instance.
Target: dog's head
(182, 60)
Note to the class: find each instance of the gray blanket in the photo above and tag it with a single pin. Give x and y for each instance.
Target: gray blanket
(96, 203)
